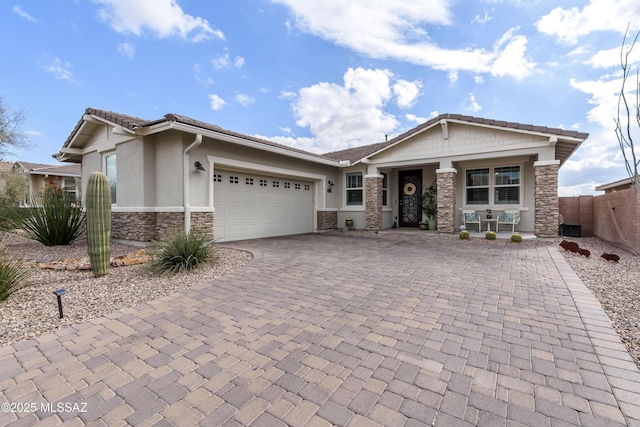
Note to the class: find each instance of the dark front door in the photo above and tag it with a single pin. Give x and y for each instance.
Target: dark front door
(410, 191)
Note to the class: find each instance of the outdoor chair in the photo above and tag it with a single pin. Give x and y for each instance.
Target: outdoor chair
(471, 217)
(509, 217)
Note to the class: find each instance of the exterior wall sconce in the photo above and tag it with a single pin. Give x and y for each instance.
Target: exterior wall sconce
(329, 185)
(199, 167)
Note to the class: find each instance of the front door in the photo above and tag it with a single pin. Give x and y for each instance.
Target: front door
(410, 191)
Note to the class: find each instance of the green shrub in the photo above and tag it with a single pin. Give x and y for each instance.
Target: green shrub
(181, 252)
(464, 235)
(491, 235)
(54, 218)
(12, 275)
(516, 238)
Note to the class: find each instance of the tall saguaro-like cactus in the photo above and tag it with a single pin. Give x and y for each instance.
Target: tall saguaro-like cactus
(98, 206)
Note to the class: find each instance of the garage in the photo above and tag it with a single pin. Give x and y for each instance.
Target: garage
(249, 206)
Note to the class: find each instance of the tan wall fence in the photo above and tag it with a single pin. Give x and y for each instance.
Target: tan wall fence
(613, 217)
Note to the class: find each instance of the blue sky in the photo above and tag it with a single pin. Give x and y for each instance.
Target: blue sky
(323, 75)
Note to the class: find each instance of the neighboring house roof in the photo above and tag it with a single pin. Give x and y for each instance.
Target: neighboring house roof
(567, 142)
(564, 151)
(45, 169)
(617, 185)
(5, 167)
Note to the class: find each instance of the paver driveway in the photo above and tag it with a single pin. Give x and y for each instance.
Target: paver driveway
(329, 329)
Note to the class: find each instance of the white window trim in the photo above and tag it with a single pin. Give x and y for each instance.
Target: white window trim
(347, 189)
(105, 155)
(492, 186)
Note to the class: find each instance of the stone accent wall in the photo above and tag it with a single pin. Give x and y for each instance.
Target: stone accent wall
(139, 226)
(327, 220)
(202, 222)
(373, 200)
(168, 222)
(446, 202)
(546, 200)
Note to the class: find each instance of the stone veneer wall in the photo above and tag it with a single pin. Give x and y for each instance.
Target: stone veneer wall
(327, 220)
(139, 226)
(373, 200)
(202, 222)
(546, 200)
(168, 222)
(446, 202)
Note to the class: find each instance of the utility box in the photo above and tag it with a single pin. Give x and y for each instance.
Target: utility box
(570, 230)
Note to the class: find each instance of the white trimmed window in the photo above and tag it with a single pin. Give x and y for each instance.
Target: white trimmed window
(493, 186)
(354, 188)
(385, 185)
(112, 176)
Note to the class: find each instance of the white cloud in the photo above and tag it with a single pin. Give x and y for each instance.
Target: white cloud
(61, 69)
(163, 18)
(471, 104)
(302, 143)
(224, 61)
(453, 76)
(23, 14)
(127, 50)
(216, 102)
(398, 30)
(511, 60)
(417, 119)
(483, 19)
(604, 96)
(611, 57)
(197, 70)
(244, 99)
(343, 116)
(478, 79)
(238, 62)
(406, 92)
(598, 15)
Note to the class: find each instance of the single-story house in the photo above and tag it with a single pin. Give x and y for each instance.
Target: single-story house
(180, 172)
(38, 176)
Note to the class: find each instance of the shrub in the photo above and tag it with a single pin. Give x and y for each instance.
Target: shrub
(464, 235)
(491, 235)
(54, 218)
(516, 238)
(181, 252)
(12, 275)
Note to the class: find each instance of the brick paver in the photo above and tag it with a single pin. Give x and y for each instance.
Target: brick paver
(341, 330)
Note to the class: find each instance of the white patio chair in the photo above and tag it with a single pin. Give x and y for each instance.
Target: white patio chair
(509, 217)
(471, 217)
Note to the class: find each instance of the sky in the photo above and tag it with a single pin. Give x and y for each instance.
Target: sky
(323, 75)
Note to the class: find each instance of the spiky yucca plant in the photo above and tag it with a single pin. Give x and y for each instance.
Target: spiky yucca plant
(13, 275)
(181, 252)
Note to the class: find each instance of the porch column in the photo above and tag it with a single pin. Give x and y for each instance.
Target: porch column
(373, 201)
(446, 179)
(546, 198)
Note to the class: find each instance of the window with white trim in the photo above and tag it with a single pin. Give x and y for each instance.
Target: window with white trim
(354, 188)
(385, 184)
(111, 171)
(493, 186)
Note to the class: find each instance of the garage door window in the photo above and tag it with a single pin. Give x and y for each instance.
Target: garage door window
(354, 188)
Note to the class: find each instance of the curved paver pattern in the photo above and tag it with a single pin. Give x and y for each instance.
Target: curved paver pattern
(335, 330)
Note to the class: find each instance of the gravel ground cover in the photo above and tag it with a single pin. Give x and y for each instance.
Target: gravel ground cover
(33, 310)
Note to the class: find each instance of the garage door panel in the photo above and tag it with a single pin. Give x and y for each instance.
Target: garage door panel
(272, 206)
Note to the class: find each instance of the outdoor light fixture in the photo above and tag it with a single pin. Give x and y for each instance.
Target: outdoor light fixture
(199, 167)
(58, 294)
(329, 185)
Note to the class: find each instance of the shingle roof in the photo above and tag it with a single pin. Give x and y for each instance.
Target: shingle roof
(358, 153)
(6, 167)
(44, 169)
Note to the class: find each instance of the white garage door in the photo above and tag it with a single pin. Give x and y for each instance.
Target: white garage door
(249, 206)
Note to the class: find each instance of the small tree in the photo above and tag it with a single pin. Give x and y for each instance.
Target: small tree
(625, 131)
(12, 134)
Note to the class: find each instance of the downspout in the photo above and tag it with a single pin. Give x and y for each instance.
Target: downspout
(185, 181)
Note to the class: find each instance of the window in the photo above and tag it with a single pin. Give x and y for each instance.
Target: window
(477, 186)
(263, 183)
(354, 188)
(276, 184)
(384, 189)
(69, 185)
(248, 181)
(507, 185)
(217, 178)
(297, 186)
(287, 185)
(111, 172)
(307, 187)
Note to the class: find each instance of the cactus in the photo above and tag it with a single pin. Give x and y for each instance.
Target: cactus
(491, 235)
(464, 235)
(98, 206)
(516, 238)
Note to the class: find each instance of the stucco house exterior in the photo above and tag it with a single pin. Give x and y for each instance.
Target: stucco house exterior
(178, 172)
(38, 176)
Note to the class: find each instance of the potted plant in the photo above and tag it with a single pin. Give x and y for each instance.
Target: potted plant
(423, 225)
(349, 222)
(489, 215)
(430, 205)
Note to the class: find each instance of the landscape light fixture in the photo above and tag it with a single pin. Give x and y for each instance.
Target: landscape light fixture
(199, 167)
(58, 294)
